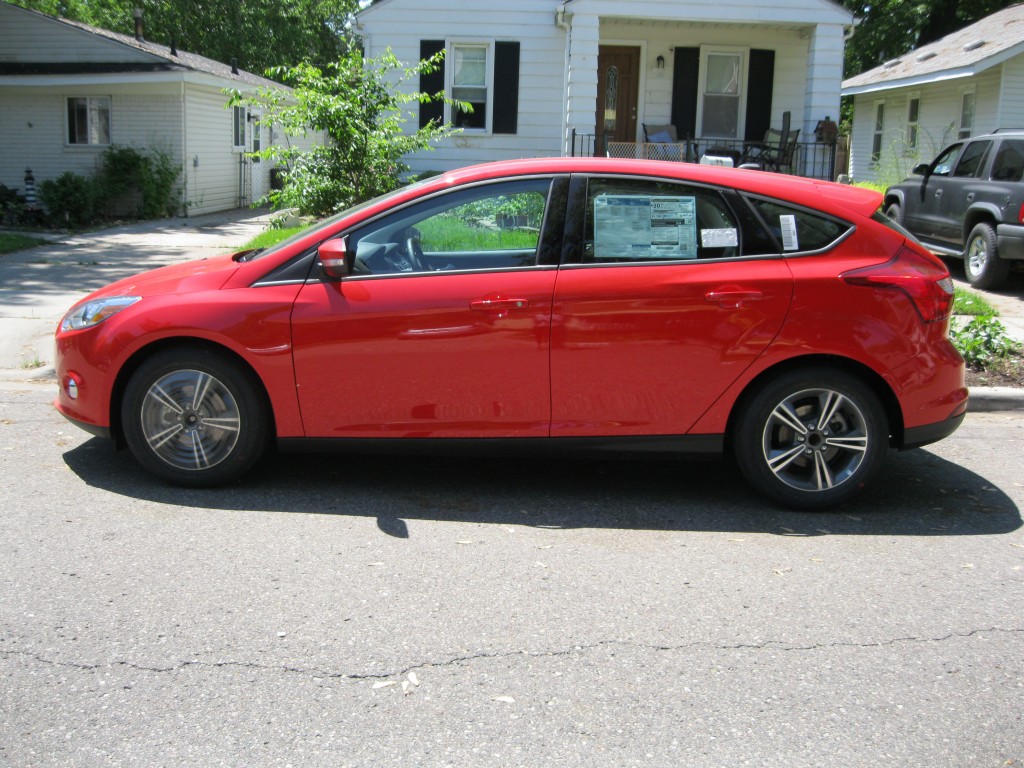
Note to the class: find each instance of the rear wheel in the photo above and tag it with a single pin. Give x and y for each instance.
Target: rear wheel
(194, 418)
(982, 264)
(811, 439)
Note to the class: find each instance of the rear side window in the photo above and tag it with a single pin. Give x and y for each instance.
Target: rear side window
(634, 221)
(1009, 162)
(798, 229)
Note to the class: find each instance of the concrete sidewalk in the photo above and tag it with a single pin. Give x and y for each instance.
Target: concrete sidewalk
(38, 285)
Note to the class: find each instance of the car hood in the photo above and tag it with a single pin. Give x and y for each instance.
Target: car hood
(189, 277)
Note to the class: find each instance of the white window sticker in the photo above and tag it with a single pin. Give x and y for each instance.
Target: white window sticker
(719, 238)
(641, 227)
(787, 223)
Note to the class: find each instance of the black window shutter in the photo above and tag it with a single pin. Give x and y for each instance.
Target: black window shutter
(506, 87)
(760, 81)
(685, 82)
(431, 82)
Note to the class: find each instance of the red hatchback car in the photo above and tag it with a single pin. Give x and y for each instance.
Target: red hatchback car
(625, 306)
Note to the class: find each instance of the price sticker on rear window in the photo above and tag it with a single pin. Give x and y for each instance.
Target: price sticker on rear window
(790, 242)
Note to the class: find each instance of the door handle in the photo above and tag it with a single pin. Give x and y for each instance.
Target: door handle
(970, 197)
(938, 193)
(486, 305)
(732, 298)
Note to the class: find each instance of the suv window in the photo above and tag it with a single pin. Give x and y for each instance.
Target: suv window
(1009, 162)
(944, 163)
(973, 158)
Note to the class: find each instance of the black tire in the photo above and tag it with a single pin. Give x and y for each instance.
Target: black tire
(982, 265)
(787, 451)
(895, 212)
(195, 418)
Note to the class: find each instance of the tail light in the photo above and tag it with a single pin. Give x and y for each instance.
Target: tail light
(923, 279)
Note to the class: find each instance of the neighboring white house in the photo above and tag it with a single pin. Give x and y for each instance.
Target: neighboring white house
(68, 91)
(968, 83)
(541, 72)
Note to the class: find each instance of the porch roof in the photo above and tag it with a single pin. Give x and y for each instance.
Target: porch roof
(794, 13)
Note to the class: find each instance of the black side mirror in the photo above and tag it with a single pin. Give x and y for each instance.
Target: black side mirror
(333, 255)
(922, 169)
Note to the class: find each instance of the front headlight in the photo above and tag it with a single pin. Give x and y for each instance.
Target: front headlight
(94, 312)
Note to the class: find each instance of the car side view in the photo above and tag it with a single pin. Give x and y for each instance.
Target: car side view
(969, 203)
(556, 306)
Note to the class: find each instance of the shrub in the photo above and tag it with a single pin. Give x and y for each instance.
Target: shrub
(983, 341)
(70, 199)
(138, 184)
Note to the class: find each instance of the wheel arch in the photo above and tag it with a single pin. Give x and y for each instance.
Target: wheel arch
(887, 398)
(893, 196)
(978, 215)
(140, 356)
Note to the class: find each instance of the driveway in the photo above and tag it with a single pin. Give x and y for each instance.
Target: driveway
(37, 286)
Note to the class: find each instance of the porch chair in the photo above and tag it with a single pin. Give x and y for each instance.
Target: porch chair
(775, 151)
(661, 142)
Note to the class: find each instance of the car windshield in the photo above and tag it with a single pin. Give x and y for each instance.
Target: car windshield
(260, 253)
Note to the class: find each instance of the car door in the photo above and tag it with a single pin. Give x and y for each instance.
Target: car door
(673, 291)
(442, 329)
(959, 192)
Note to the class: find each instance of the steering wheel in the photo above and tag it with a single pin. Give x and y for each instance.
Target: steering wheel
(414, 250)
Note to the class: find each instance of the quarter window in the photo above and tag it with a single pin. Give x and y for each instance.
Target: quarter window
(1009, 162)
(89, 120)
(798, 229)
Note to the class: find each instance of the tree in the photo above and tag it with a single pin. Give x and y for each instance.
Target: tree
(891, 28)
(258, 33)
(362, 108)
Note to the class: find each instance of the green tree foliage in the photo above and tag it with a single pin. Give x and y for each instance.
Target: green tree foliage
(361, 106)
(258, 33)
(890, 28)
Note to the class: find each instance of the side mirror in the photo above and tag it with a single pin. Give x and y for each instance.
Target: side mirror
(333, 255)
(921, 169)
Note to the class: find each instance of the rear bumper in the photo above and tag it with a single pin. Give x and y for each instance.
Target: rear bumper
(915, 437)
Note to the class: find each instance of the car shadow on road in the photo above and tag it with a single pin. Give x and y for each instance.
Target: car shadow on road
(919, 494)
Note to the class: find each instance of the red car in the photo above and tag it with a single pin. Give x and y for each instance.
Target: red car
(620, 306)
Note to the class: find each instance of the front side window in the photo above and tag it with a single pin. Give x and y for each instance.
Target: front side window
(470, 77)
(89, 120)
(494, 227)
(943, 164)
(972, 159)
(721, 103)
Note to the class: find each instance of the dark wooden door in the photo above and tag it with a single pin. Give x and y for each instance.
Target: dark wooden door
(618, 90)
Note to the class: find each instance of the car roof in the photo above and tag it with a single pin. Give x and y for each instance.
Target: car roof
(812, 193)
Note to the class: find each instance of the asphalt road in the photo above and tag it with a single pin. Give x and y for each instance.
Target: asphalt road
(351, 611)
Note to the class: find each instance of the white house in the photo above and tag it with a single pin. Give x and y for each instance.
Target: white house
(68, 91)
(558, 78)
(968, 83)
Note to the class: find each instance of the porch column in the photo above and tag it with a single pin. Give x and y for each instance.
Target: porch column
(581, 79)
(824, 78)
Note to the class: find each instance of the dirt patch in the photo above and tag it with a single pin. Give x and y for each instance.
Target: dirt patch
(1008, 372)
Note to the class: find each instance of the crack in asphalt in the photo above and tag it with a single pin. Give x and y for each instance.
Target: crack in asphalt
(458, 660)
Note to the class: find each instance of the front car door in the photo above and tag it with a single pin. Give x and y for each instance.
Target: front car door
(675, 290)
(443, 327)
(922, 209)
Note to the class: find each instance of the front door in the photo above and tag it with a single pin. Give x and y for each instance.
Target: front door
(618, 90)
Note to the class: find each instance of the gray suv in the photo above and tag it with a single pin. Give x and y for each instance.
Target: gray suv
(968, 203)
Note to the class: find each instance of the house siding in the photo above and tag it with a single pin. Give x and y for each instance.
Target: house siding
(32, 37)
(211, 164)
(939, 121)
(1012, 96)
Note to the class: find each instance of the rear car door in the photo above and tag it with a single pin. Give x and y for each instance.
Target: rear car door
(669, 292)
(443, 327)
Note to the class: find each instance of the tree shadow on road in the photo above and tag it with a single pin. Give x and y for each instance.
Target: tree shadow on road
(919, 494)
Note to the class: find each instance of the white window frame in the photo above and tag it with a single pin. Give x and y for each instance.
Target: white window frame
(90, 128)
(913, 138)
(965, 130)
(877, 131)
(238, 122)
(741, 94)
(450, 112)
(256, 134)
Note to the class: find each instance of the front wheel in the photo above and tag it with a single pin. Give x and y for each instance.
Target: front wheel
(982, 264)
(811, 439)
(895, 212)
(194, 418)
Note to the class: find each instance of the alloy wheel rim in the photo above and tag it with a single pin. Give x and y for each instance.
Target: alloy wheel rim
(190, 420)
(815, 440)
(977, 255)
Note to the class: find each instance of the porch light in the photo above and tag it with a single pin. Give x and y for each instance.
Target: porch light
(661, 62)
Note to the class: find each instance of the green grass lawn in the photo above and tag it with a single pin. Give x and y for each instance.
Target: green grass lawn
(967, 303)
(272, 237)
(10, 242)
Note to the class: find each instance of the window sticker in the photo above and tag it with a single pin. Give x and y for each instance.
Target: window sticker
(639, 227)
(719, 238)
(787, 223)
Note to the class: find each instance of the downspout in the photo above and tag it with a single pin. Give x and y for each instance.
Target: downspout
(184, 151)
(563, 21)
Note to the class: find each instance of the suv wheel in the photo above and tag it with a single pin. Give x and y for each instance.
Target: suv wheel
(982, 264)
(894, 212)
